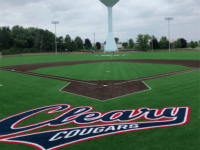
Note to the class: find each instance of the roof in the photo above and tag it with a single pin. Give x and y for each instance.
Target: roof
(173, 41)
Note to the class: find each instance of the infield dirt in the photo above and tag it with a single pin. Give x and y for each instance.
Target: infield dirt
(103, 90)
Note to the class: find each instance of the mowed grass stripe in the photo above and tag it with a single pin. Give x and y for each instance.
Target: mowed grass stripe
(117, 70)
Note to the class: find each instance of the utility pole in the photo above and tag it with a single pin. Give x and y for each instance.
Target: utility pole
(94, 38)
(169, 29)
(55, 22)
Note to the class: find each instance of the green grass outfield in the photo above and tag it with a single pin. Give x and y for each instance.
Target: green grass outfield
(22, 92)
(194, 55)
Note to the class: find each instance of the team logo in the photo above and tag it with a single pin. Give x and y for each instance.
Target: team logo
(109, 123)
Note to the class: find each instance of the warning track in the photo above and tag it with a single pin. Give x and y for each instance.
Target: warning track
(104, 90)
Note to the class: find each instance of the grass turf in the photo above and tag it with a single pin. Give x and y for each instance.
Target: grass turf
(194, 55)
(24, 92)
(171, 91)
(110, 70)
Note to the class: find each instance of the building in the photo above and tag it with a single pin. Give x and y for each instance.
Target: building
(173, 41)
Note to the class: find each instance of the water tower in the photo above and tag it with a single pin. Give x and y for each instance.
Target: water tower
(110, 42)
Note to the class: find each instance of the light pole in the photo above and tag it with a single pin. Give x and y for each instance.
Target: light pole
(55, 22)
(169, 29)
(94, 38)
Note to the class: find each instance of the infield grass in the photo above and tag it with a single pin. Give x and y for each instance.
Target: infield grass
(109, 70)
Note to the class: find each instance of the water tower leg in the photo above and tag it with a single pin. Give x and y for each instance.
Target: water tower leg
(110, 43)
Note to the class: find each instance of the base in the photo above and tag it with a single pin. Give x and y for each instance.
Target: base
(110, 43)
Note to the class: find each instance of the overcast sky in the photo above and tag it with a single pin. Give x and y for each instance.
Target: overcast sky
(85, 17)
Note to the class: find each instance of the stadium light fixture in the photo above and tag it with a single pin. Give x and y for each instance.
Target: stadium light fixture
(55, 22)
(169, 18)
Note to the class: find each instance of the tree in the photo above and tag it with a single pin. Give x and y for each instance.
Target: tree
(41, 39)
(193, 45)
(131, 43)
(143, 41)
(5, 38)
(60, 41)
(68, 42)
(87, 44)
(35, 39)
(164, 43)
(164, 38)
(116, 40)
(155, 44)
(196, 43)
(24, 38)
(154, 38)
(78, 43)
(178, 44)
(125, 44)
(94, 47)
(20, 37)
(105, 42)
(98, 45)
(87, 47)
(72, 46)
(183, 43)
(31, 38)
(48, 40)
(189, 45)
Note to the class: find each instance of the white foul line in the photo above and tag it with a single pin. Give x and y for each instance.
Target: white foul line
(51, 77)
(163, 75)
(184, 71)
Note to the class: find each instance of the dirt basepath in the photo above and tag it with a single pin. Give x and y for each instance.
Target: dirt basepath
(103, 90)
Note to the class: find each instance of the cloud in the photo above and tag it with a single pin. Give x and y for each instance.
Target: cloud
(19, 2)
(85, 17)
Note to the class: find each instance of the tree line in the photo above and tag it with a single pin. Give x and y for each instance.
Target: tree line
(25, 40)
(146, 42)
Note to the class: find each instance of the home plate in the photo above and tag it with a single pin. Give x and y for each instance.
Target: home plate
(105, 85)
(13, 70)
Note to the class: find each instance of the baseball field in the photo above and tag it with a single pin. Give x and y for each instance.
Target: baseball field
(104, 83)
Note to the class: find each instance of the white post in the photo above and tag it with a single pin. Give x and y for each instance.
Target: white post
(169, 29)
(94, 38)
(55, 39)
(55, 22)
(169, 33)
